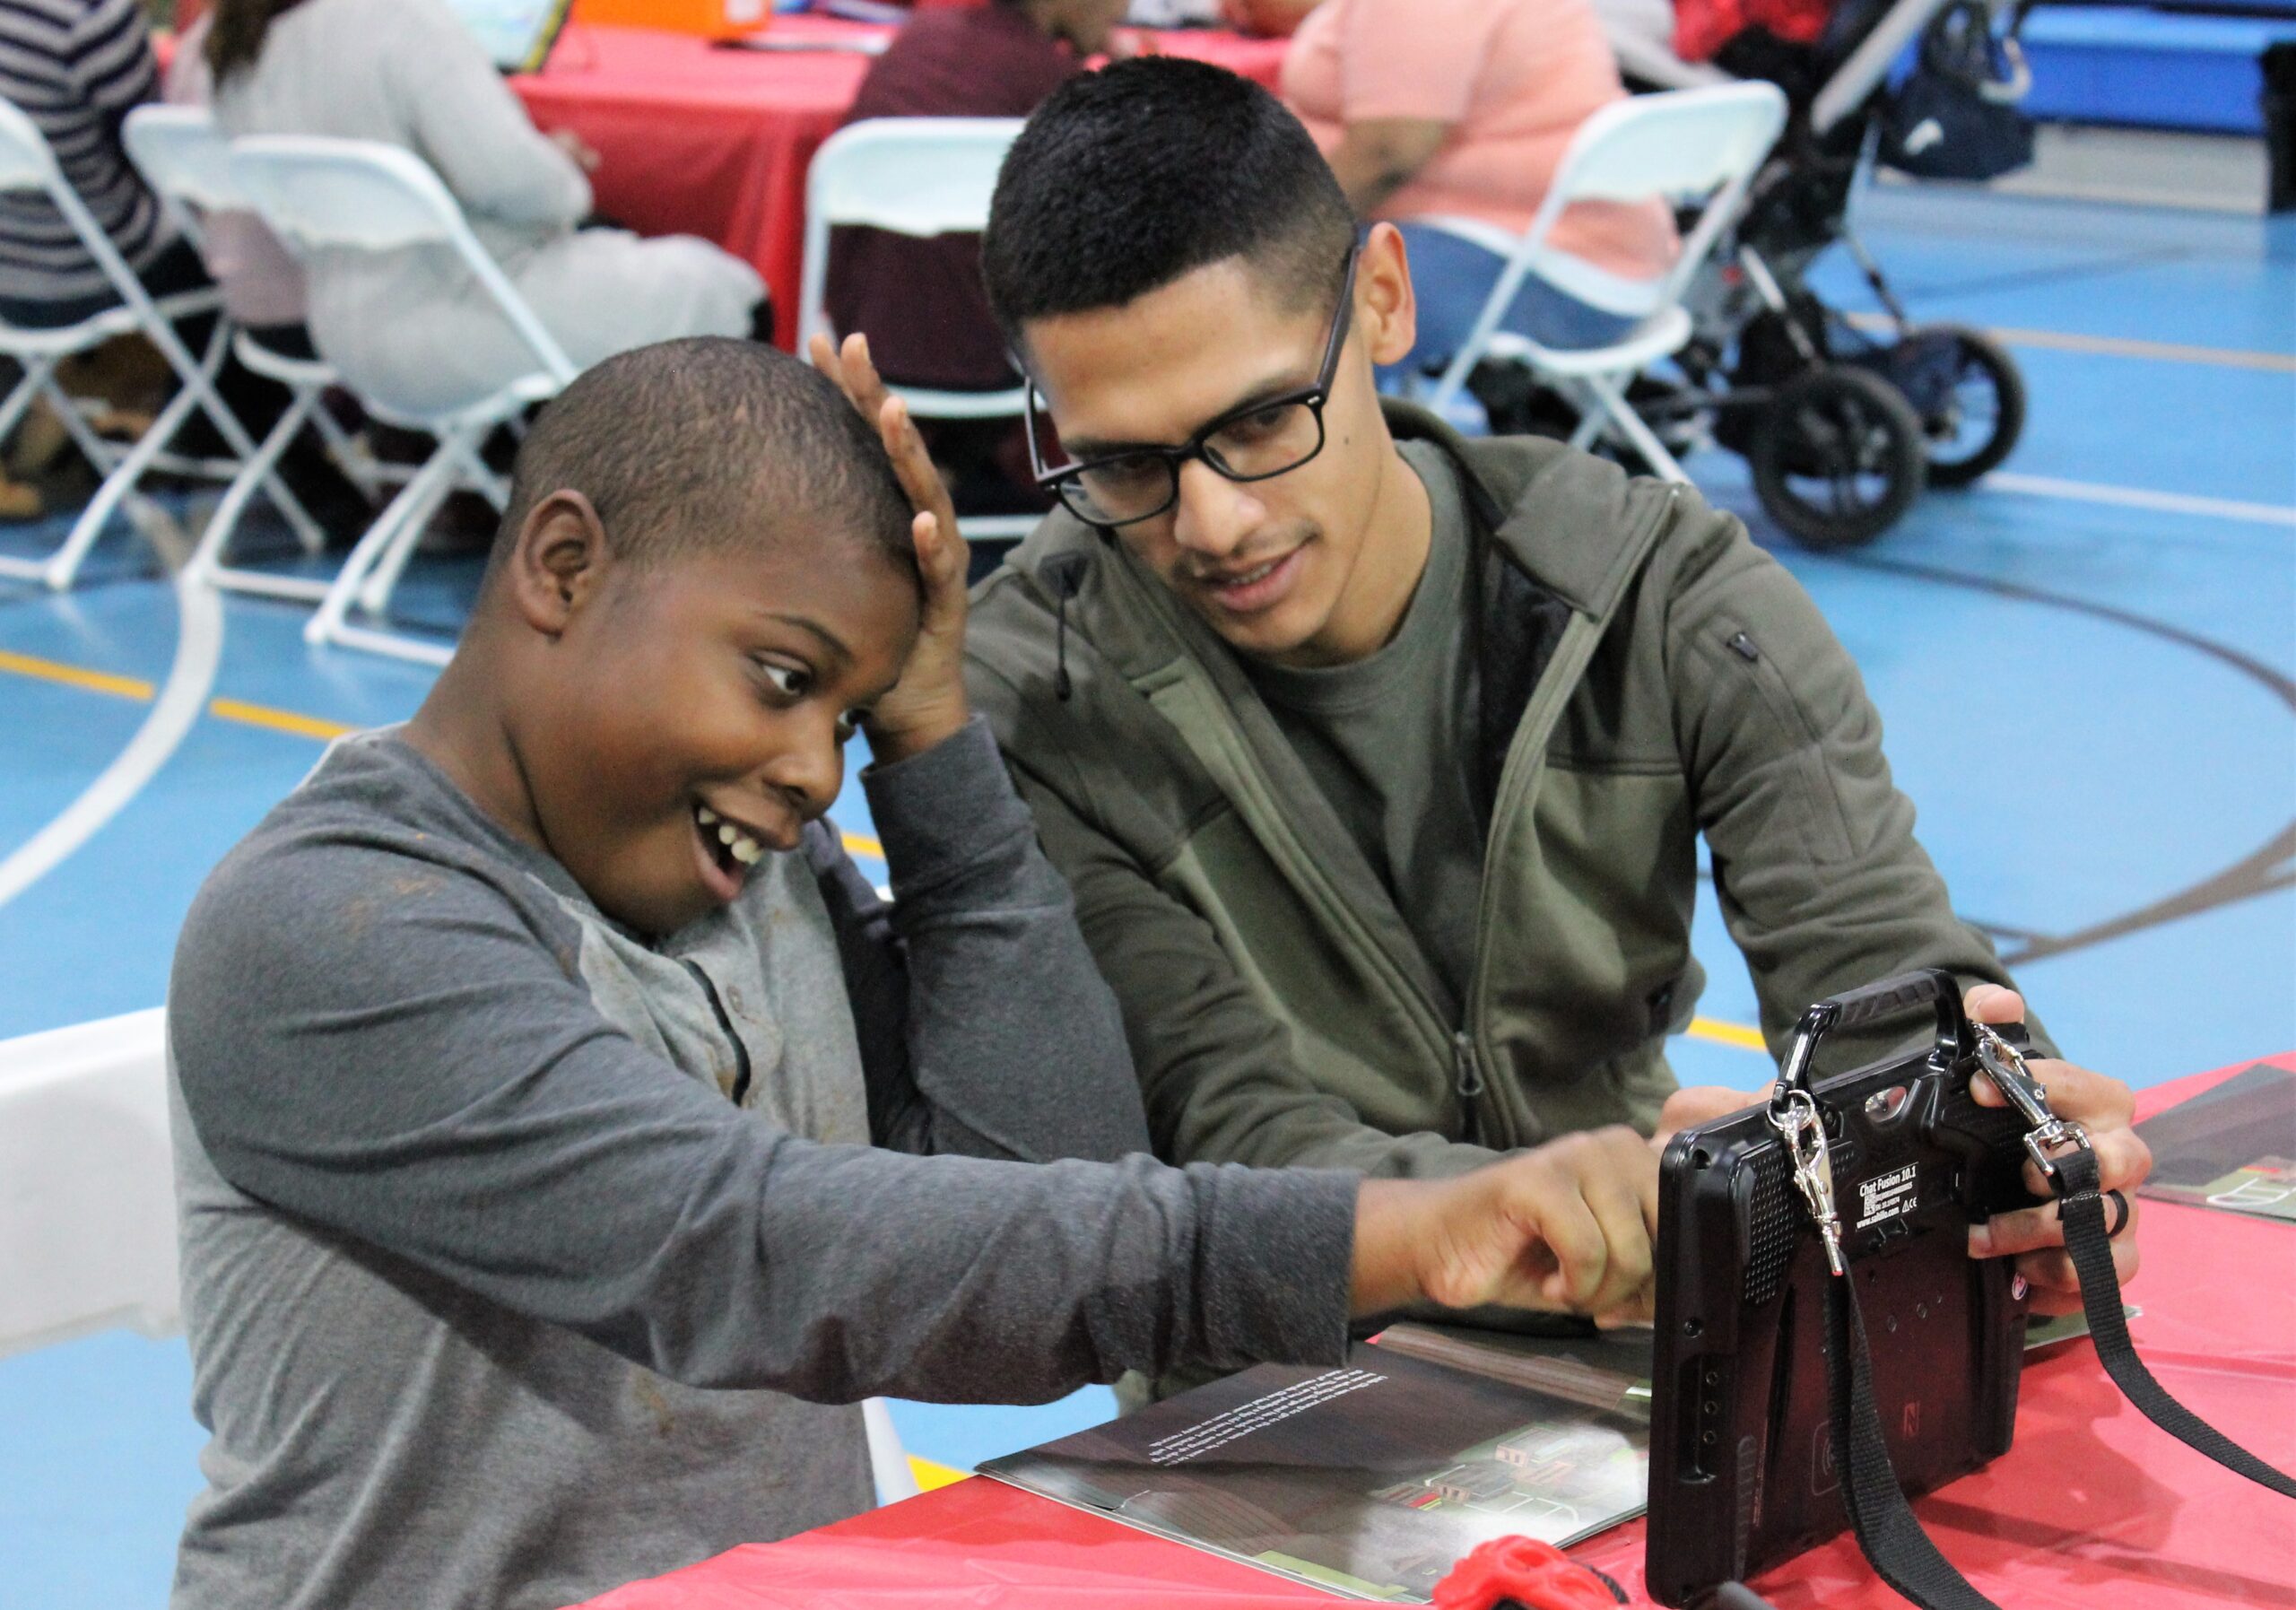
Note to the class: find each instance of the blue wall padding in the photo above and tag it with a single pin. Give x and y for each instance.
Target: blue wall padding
(2130, 64)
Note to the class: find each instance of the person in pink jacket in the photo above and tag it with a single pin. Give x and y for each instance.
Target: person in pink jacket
(1461, 110)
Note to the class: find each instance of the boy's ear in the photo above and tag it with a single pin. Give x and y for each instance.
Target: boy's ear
(1387, 311)
(558, 560)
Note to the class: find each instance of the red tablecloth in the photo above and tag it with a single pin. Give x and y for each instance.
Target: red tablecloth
(2093, 1507)
(699, 139)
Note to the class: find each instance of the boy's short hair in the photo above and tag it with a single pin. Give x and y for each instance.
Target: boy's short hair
(704, 444)
(1127, 179)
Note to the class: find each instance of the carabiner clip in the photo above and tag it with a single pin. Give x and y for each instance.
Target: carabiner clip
(2047, 1134)
(1796, 1118)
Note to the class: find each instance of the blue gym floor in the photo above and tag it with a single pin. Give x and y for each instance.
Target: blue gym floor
(2085, 666)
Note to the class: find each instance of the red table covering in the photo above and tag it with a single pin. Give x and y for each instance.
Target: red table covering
(713, 141)
(2093, 1508)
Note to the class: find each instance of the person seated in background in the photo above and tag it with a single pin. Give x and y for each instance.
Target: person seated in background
(1379, 758)
(919, 301)
(410, 328)
(1461, 109)
(76, 68)
(541, 1068)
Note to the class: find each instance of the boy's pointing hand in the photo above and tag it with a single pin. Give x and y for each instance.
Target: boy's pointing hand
(1569, 1225)
(929, 703)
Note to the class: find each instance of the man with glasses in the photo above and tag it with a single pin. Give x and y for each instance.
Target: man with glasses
(1378, 758)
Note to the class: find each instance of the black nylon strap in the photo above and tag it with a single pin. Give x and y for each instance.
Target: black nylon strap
(2084, 1210)
(1900, 1551)
(1895, 1545)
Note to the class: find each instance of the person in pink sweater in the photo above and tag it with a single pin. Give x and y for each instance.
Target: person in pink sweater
(1461, 110)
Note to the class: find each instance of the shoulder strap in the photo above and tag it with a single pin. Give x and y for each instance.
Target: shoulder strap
(1888, 1532)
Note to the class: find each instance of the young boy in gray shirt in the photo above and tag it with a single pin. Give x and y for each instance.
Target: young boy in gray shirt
(542, 1067)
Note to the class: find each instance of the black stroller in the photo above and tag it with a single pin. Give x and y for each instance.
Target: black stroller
(1842, 420)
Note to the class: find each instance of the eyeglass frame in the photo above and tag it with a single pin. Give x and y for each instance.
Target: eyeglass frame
(1196, 447)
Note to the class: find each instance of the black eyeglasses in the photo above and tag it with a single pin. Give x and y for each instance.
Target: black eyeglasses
(1256, 442)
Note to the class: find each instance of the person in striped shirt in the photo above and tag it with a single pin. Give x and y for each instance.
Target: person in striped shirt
(77, 67)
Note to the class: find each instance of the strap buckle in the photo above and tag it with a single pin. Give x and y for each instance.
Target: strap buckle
(2048, 1137)
(1796, 1118)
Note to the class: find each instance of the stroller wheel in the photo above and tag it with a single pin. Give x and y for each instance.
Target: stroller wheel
(1982, 416)
(1838, 457)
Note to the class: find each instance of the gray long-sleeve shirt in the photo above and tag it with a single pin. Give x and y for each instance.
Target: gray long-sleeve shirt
(487, 1204)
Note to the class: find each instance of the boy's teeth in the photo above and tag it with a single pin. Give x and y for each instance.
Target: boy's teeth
(744, 850)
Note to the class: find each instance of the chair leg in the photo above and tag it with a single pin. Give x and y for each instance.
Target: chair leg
(1645, 441)
(64, 565)
(19, 400)
(207, 560)
(471, 474)
(328, 624)
(358, 468)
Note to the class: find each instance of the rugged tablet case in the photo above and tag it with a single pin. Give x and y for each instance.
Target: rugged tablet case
(1742, 1469)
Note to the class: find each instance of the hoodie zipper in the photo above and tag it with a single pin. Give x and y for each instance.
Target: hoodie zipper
(1469, 1067)
(1470, 1086)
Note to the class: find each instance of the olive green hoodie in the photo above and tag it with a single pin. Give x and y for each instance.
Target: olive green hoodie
(1646, 674)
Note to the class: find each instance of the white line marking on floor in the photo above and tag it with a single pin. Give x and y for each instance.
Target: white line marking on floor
(199, 648)
(2137, 497)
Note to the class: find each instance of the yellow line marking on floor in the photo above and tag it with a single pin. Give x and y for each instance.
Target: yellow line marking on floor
(77, 676)
(930, 1476)
(1728, 1034)
(287, 721)
(2117, 346)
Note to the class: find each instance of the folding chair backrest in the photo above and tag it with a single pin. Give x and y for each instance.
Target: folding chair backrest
(913, 176)
(320, 194)
(1705, 142)
(26, 162)
(184, 157)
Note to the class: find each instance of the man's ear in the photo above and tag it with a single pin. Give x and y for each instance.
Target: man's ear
(557, 561)
(1385, 308)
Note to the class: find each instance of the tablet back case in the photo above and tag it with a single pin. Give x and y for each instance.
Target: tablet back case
(1742, 1468)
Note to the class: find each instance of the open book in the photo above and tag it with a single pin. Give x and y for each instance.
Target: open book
(1373, 1479)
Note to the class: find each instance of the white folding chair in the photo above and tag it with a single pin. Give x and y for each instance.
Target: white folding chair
(321, 194)
(87, 1183)
(919, 176)
(1681, 143)
(187, 161)
(28, 164)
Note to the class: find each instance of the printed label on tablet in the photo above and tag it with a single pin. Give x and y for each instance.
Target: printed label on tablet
(1890, 1195)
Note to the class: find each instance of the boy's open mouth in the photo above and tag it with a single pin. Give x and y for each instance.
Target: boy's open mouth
(727, 852)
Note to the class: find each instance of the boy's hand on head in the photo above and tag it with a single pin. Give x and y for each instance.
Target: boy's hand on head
(1568, 1226)
(929, 702)
(2106, 1109)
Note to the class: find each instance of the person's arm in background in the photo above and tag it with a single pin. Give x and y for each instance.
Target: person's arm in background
(1407, 72)
(1816, 868)
(470, 126)
(1379, 156)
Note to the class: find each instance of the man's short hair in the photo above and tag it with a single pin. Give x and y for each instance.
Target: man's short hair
(707, 443)
(1129, 178)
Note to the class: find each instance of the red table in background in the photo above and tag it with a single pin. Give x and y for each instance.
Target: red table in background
(2094, 1509)
(713, 141)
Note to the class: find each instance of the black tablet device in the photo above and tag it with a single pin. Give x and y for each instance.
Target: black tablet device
(1742, 1463)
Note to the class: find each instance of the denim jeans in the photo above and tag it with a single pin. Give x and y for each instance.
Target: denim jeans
(1452, 278)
